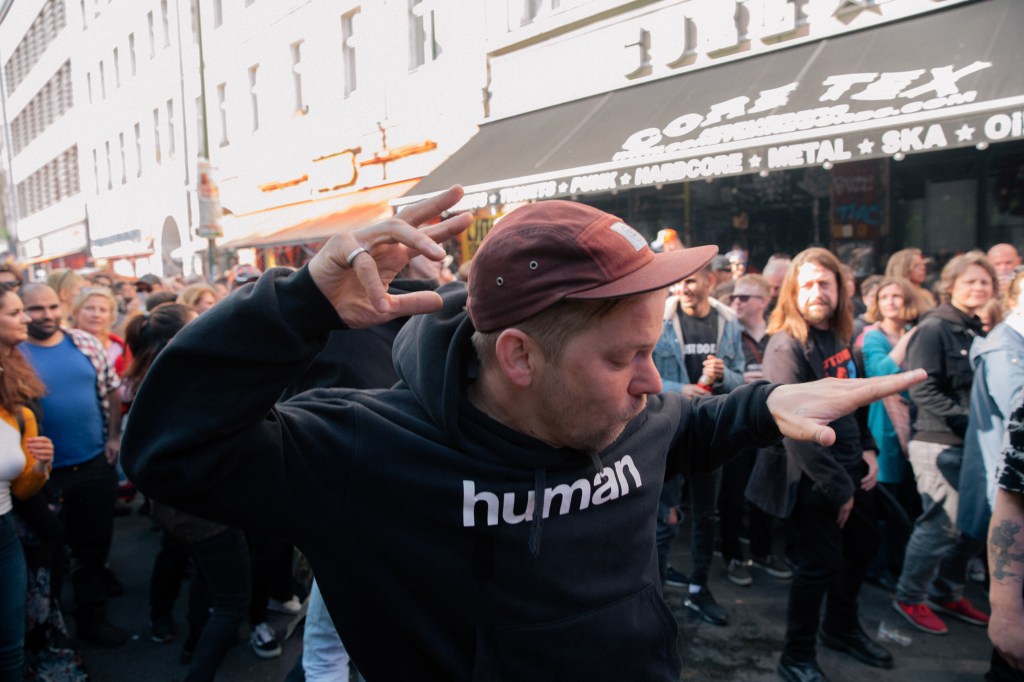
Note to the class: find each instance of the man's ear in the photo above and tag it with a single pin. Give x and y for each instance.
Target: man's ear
(517, 355)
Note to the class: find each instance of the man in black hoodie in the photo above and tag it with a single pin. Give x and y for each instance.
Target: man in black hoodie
(492, 515)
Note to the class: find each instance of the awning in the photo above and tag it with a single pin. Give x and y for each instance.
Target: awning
(948, 78)
(318, 220)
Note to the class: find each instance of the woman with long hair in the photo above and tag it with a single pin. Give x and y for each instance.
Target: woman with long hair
(911, 265)
(892, 308)
(67, 283)
(25, 460)
(935, 563)
(219, 596)
(199, 297)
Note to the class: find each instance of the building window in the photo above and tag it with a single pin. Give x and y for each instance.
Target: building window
(156, 135)
(195, 21)
(117, 69)
(165, 23)
(423, 45)
(249, 2)
(223, 107)
(170, 128)
(45, 28)
(131, 53)
(138, 150)
(218, 13)
(85, 24)
(124, 162)
(96, 170)
(88, 84)
(152, 34)
(103, 82)
(300, 105)
(110, 172)
(253, 97)
(348, 50)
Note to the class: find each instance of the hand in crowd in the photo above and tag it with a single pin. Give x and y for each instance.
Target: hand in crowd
(871, 478)
(899, 351)
(753, 375)
(691, 391)
(354, 269)
(40, 448)
(1007, 635)
(804, 411)
(112, 449)
(714, 367)
(844, 512)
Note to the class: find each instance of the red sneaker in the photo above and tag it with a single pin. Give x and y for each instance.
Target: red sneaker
(961, 609)
(921, 617)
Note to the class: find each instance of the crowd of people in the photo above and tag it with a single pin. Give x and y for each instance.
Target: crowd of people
(904, 496)
(540, 388)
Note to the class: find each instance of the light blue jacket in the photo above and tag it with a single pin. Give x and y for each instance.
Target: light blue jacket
(998, 361)
(668, 354)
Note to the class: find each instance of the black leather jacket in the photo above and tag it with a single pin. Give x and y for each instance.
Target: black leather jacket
(942, 346)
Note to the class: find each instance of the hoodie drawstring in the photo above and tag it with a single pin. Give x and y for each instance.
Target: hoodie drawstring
(539, 488)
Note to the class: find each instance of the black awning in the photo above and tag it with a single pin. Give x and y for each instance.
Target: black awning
(945, 79)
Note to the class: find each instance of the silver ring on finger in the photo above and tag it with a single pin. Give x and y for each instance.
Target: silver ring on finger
(355, 254)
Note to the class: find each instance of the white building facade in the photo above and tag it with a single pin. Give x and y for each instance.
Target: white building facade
(310, 108)
(318, 113)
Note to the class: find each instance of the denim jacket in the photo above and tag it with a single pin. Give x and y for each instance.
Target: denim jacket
(998, 361)
(668, 354)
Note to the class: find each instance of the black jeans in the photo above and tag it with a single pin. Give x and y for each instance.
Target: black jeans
(731, 506)
(87, 491)
(703, 492)
(271, 573)
(169, 568)
(831, 562)
(218, 600)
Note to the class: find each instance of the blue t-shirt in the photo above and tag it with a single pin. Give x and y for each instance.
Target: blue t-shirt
(72, 414)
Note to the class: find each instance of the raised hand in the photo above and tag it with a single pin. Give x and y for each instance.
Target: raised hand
(803, 411)
(353, 270)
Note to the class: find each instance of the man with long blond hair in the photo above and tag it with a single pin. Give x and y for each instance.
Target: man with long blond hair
(829, 495)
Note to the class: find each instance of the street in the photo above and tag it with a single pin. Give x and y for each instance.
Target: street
(746, 649)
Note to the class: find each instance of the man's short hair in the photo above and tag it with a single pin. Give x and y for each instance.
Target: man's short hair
(756, 280)
(869, 282)
(552, 328)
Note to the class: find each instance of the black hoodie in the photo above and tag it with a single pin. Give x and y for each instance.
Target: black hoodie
(413, 507)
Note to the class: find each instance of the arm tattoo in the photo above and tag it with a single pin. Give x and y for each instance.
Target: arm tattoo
(1002, 541)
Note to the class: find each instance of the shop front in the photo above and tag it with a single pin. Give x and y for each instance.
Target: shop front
(291, 235)
(907, 133)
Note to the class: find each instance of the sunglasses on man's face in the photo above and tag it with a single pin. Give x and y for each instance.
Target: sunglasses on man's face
(10, 286)
(743, 298)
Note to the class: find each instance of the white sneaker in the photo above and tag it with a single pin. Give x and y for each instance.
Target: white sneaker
(290, 607)
(263, 641)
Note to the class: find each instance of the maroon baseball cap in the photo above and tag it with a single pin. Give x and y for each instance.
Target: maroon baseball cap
(549, 251)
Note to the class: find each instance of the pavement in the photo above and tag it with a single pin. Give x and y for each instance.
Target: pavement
(746, 649)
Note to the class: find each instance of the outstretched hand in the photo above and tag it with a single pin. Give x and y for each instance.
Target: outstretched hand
(803, 411)
(357, 286)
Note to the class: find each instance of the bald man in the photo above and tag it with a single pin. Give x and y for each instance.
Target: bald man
(1005, 260)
